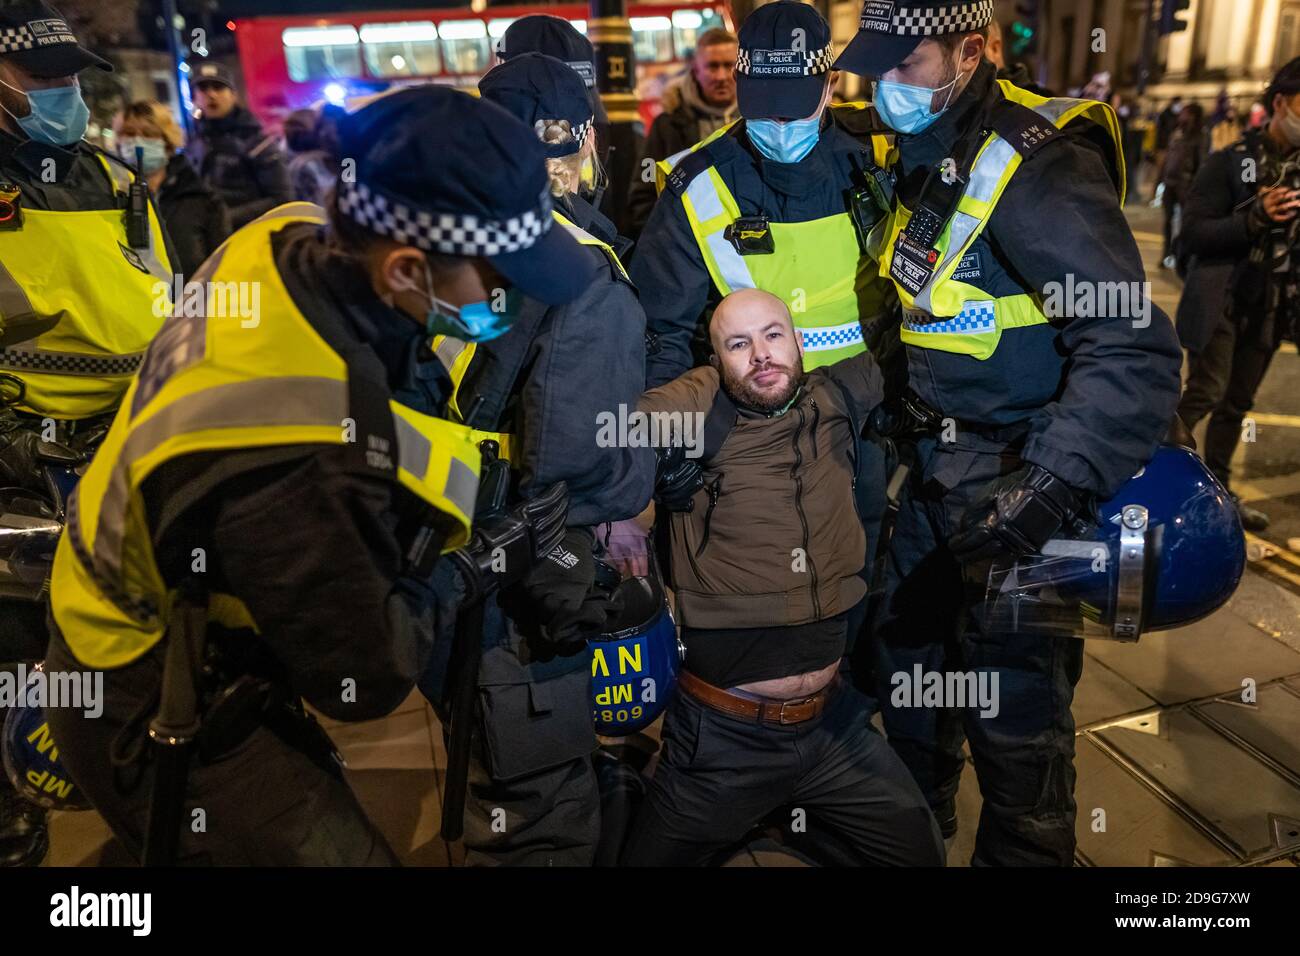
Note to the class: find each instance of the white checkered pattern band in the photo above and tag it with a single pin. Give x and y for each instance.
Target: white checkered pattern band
(956, 18)
(17, 39)
(833, 337)
(448, 233)
(977, 318)
(805, 64)
(579, 133)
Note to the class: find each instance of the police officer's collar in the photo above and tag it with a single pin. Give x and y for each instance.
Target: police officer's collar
(790, 179)
(35, 158)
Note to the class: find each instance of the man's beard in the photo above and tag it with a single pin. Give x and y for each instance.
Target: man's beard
(742, 392)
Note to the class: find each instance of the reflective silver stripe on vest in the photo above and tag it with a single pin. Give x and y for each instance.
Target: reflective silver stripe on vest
(462, 486)
(448, 350)
(297, 210)
(69, 363)
(984, 179)
(831, 337)
(289, 401)
(412, 448)
(15, 307)
(706, 204)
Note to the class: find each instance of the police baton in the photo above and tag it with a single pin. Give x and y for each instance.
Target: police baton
(173, 730)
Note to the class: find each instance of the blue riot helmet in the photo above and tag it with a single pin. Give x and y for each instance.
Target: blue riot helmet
(1166, 550)
(634, 660)
(31, 760)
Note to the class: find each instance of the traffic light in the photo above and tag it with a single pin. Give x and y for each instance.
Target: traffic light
(1024, 31)
(1169, 10)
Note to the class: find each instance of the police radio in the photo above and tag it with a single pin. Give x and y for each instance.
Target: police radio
(137, 206)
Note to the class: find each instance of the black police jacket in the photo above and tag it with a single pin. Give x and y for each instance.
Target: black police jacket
(553, 378)
(1097, 392)
(668, 269)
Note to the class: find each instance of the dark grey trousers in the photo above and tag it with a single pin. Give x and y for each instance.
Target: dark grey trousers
(719, 776)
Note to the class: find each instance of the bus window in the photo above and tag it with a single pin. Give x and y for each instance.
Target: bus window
(465, 46)
(401, 49)
(652, 39)
(320, 53)
(497, 28)
(687, 27)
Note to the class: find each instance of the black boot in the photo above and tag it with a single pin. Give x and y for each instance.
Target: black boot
(1252, 519)
(24, 838)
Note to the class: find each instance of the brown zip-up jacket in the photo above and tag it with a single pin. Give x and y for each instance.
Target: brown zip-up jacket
(774, 537)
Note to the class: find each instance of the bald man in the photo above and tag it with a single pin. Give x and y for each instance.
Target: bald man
(766, 564)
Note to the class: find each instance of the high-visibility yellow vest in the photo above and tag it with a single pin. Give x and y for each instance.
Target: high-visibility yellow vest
(213, 383)
(456, 355)
(954, 316)
(79, 305)
(817, 268)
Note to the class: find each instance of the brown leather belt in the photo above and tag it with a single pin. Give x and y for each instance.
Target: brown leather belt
(747, 708)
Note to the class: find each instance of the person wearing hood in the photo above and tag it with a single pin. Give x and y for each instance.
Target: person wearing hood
(1038, 395)
(694, 107)
(196, 220)
(546, 384)
(243, 165)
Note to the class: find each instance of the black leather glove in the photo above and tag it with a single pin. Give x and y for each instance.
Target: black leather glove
(1015, 515)
(677, 478)
(504, 547)
(904, 416)
(562, 594)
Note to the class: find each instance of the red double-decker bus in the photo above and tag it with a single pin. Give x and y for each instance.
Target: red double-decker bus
(291, 62)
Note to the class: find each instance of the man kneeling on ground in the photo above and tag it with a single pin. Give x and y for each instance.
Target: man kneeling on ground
(766, 560)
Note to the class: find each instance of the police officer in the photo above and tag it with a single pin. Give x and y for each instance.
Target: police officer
(557, 37)
(83, 260)
(780, 201)
(237, 159)
(283, 467)
(546, 384)
(1007, 223)
(764, 203)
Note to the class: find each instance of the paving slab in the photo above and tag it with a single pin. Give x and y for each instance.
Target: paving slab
(1205, 659)
(1228, 787)
(1137, 822)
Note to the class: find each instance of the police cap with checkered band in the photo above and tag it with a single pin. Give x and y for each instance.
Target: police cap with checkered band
(889, 30)
(35, 37)
(557, 37)
(452, 174)
(536, 87)
(785, 54)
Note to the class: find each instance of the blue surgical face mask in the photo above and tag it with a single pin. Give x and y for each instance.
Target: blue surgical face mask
(56, 117)
(154, 156)
(474, 322)
(784, 142)
(906, 108)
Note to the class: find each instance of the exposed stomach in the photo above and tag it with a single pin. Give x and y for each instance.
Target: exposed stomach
(793, 687)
